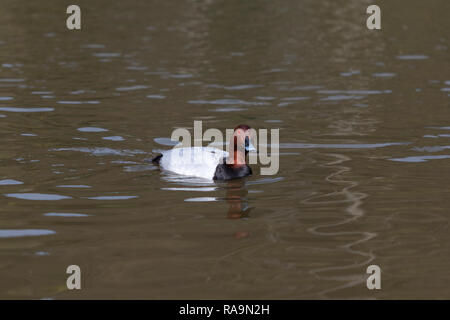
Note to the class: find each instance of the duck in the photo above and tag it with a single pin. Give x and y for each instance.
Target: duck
(208, 162)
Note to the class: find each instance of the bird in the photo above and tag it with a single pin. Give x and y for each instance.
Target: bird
(211, 163)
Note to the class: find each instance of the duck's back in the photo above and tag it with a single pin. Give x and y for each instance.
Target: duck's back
(197, 161)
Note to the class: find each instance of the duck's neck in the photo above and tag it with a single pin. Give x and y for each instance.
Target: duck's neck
(237, 160)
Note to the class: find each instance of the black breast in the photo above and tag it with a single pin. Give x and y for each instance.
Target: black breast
(227, 172)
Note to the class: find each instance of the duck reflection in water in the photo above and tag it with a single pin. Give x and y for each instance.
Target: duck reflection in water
(236, 196)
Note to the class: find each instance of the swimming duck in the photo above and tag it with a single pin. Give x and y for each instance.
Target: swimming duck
(211, 163)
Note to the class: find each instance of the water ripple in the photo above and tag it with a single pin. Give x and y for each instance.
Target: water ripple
(114, 138)
(412, 57)
(78, 102)
(102, 151)
(200, 189)
(112, 197)
(421, 158)
(17, 233)
(132, 88)
(92, 129)
(202, 199)
(340, 146)
(56, 214)
(9, 182)
(13, 109)
(82, 186)
(37, 196)
(229, 101)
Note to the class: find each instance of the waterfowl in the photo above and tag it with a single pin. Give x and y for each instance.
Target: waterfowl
(211, 163)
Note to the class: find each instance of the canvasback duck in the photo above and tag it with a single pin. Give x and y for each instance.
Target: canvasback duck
(211, 163)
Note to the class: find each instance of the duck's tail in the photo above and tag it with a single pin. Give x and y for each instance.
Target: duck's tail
(157, 159)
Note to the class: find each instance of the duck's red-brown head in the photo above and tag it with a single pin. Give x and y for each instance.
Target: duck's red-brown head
(241, 144)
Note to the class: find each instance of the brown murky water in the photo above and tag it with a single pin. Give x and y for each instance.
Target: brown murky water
(364, 124)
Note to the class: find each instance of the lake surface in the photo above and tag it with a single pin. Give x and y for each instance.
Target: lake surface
(364, 119)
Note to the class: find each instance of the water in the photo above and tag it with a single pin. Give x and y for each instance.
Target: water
(364, 124)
